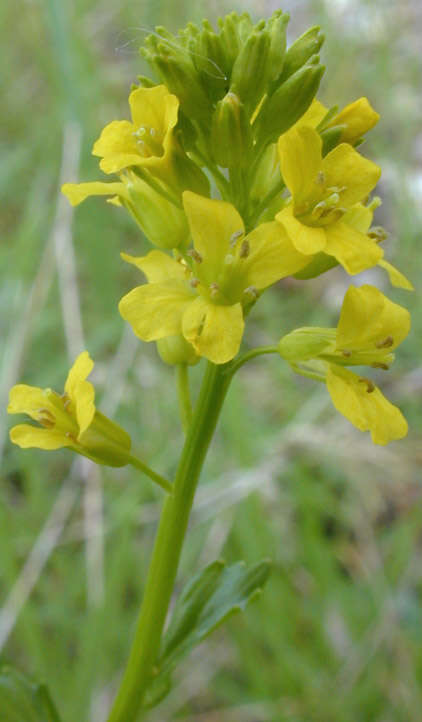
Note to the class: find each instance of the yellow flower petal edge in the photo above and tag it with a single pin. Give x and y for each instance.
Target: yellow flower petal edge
(369, 320)
(69, 420)
(365, 406)
(77, 192)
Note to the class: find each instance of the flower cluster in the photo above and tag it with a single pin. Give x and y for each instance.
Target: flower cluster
(240, 177)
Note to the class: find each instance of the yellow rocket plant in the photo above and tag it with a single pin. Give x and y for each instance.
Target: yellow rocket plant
(239, 177)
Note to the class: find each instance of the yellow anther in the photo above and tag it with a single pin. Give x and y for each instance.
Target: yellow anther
(386, 343)
(370, 386)
(235, 237)
(244, 249)
(193, 253)
(215, 289)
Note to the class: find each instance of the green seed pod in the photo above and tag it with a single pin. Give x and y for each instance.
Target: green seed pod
(230, 132)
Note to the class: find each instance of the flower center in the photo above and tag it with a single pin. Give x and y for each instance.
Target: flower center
(58, 414)
(148, 142)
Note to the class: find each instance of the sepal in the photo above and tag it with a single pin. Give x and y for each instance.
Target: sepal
(230, 132)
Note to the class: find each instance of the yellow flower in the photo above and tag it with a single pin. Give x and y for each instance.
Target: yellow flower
(323, 190)
(203, 295)
(370, 328)
(69, 419)
(354, 119)
(147, 140)
(163, 222)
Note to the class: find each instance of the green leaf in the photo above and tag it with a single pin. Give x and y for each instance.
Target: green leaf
(212, 596)
(22, 700)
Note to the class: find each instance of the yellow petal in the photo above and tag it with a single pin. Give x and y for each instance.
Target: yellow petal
(158, 267)
(214, 331)
(29, 400)
(300, 160)
(359, 217)
(154, 108)
(27, 437)
(116, 138)
(365, 406)
(358, 117)
(77, 192)
(368, 317)
(345, 168)
(355, 251)
(306, 239)
(272, 256)
(313, 116)
(397, 278)
(80, 391)
(155, 311)
(212, 224)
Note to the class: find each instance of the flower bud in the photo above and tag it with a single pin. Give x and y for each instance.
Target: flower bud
(277, 29)
(289, 102)
(176, 350)
(301, 51)
(251, 70)
(230, 132)
(163, 223)
(267, 175)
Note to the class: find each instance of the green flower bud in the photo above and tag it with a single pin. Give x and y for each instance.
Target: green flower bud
(251, 70)
(301, 51)
(289, 102)
(230, 132)
(176, 350)
(277, 29)
(234, 30)
(307, 343)
(267, 175)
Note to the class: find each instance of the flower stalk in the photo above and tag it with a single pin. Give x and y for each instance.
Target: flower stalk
(168, 546)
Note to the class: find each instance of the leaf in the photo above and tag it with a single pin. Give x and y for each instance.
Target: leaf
(212, 596)
(22, 700)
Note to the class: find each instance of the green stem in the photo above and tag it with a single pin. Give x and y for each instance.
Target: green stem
(160, 480)
(184, 396)
(168, 546)
(248, 356)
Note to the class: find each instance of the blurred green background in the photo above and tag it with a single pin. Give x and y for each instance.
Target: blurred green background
(337, 634)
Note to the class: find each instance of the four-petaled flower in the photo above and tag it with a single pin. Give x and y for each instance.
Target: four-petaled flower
(69, 419)
(147, 140)
(203, 295)
(323, 190)
(370, 328)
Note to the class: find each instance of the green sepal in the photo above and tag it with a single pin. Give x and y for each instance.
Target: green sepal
(300, 51)
(144, 82)
(289, 102)
(306, 343)
(212, 596)
(23, 700)
(105, 442)
(320, 263)
(331, 138)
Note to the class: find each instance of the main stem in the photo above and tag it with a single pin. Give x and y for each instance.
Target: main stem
(168, 546)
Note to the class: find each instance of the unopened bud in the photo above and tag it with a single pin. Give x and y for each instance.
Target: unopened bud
(301, 51)
(230, 132)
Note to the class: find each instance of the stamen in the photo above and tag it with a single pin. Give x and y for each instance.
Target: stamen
(47, 414)
(215, 289)
(319, 209)
(46, 422)
(235, 237)
(229, 259)
(380, 365)
(321, 177)
(370, 386)
(244, 249)
(346, 353)
(194, 282)
(193, 253)
(252, 292)
(377, 233)
(386, 343)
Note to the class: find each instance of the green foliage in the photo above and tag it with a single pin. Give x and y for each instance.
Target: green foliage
(22, 700)
(212, 596)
